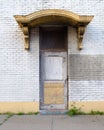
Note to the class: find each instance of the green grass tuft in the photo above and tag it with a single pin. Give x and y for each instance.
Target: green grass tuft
(96, 113)
(33, 113)
(36, 113)
(75, 111)
(20, 113)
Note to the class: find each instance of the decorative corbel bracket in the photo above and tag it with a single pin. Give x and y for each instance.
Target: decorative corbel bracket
(80, 34)
(25, 30)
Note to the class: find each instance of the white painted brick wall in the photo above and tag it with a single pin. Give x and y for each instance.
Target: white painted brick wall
(19, 69)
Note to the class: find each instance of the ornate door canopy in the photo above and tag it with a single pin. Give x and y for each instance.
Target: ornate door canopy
(53, 16)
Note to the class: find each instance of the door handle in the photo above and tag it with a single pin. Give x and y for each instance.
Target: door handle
(66, 80)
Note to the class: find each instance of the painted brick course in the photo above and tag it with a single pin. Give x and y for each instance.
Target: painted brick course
(19, 69)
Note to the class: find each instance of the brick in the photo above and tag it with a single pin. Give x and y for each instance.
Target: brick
(19, 69)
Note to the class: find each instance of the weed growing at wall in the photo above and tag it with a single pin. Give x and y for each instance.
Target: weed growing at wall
(77, 111)
(96, 113)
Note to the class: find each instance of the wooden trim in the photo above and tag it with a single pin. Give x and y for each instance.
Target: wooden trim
(80, 33)
(25, 30)
(40, 17)
(53, 16)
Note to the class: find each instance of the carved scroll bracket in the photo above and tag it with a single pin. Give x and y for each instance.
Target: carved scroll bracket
(80, 31)
(25, 30)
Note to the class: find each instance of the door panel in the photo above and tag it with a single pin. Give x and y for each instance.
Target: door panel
(53, 68)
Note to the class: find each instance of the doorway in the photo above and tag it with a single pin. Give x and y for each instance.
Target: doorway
(53, 68)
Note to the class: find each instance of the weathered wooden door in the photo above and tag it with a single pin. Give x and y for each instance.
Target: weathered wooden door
(53, 73)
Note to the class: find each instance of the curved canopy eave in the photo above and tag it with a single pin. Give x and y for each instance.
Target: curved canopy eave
(53, 16)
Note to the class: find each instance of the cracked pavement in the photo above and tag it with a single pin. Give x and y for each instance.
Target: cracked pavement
(52, 122)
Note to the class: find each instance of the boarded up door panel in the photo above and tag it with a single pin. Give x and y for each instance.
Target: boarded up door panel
(53, 93)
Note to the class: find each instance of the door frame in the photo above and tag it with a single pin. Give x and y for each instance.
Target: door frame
(40, 88)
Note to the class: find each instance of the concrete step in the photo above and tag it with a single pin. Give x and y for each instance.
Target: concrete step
(53, 112)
